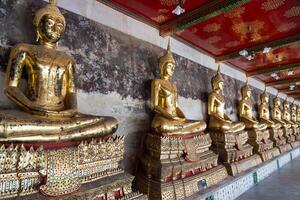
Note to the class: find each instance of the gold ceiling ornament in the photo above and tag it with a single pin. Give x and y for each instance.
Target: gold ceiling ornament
(232, 44)
(160, 18)
(292, 12)
(249, 30)
(213, 39)
(168, 2)
(214, 27)
(272, 4)
(194, 30)
(163, 11)
(235, 13)
(287, 27)
(49, 9)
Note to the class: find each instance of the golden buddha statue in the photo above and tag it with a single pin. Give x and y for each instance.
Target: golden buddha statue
(298, 113)
(169, 119)
(218, 120)
(245, 110)
(294, 114)
(286, 116)
(277, 115)
(49, 103)
(264, 113)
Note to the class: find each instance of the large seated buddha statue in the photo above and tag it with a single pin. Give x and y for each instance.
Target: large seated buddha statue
(298, 119)
(277, 116)
(286, 117)
(49, 102)
(257, 132)
(245, 110)
(47, 147)
(229, 137)
(264, 112)
(295, 121)
(218, 120)
(294, 114)
(277, 113)
(169, 119)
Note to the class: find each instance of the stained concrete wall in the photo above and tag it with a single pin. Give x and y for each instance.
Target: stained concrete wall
(114, 71)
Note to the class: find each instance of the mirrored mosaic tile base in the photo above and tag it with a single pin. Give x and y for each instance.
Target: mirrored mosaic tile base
(233, 187)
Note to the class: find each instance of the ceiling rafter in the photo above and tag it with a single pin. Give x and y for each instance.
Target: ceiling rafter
(200, 14)
(288, 91)
(294, 95)
(281, 82)
(273, 69)
(259, 48)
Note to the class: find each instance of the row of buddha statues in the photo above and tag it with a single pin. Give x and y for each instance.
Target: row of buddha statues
(48, 148)
(183, 156)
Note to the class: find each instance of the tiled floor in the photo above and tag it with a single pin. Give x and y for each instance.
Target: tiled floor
(283, 184)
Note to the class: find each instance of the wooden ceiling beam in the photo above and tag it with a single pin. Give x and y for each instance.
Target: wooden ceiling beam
(275, 44)
(273, 69)
(295, 96)
(288, 91)
(200, 14)
(281, 82)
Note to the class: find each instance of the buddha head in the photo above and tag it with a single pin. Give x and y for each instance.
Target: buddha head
(298, 112)
(217, 81)
(276, 102)
(264, 97)
(49, 23)
(286, 105)
(246, 91)
(294, 109)
(167, 64)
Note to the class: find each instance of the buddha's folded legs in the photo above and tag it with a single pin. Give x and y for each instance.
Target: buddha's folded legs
(163, 125)
(224, 126)
(27, 127)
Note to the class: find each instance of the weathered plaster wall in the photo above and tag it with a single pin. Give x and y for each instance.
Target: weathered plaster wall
(114, 71)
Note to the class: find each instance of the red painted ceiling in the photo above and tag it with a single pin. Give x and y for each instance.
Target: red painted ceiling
(253, 23)
(156, 11)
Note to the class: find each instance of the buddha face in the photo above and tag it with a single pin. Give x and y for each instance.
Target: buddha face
(50, 29)
(277, 102)
(221, 85)
(168, 70)
(246, 93)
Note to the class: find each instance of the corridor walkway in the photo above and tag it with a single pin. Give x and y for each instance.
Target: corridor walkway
(282, 184)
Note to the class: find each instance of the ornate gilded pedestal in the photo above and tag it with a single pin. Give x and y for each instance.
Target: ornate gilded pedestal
(288, 133)
(86, 169)
(175, 167)
(263, 146)
(234, 151)
(276, 135)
